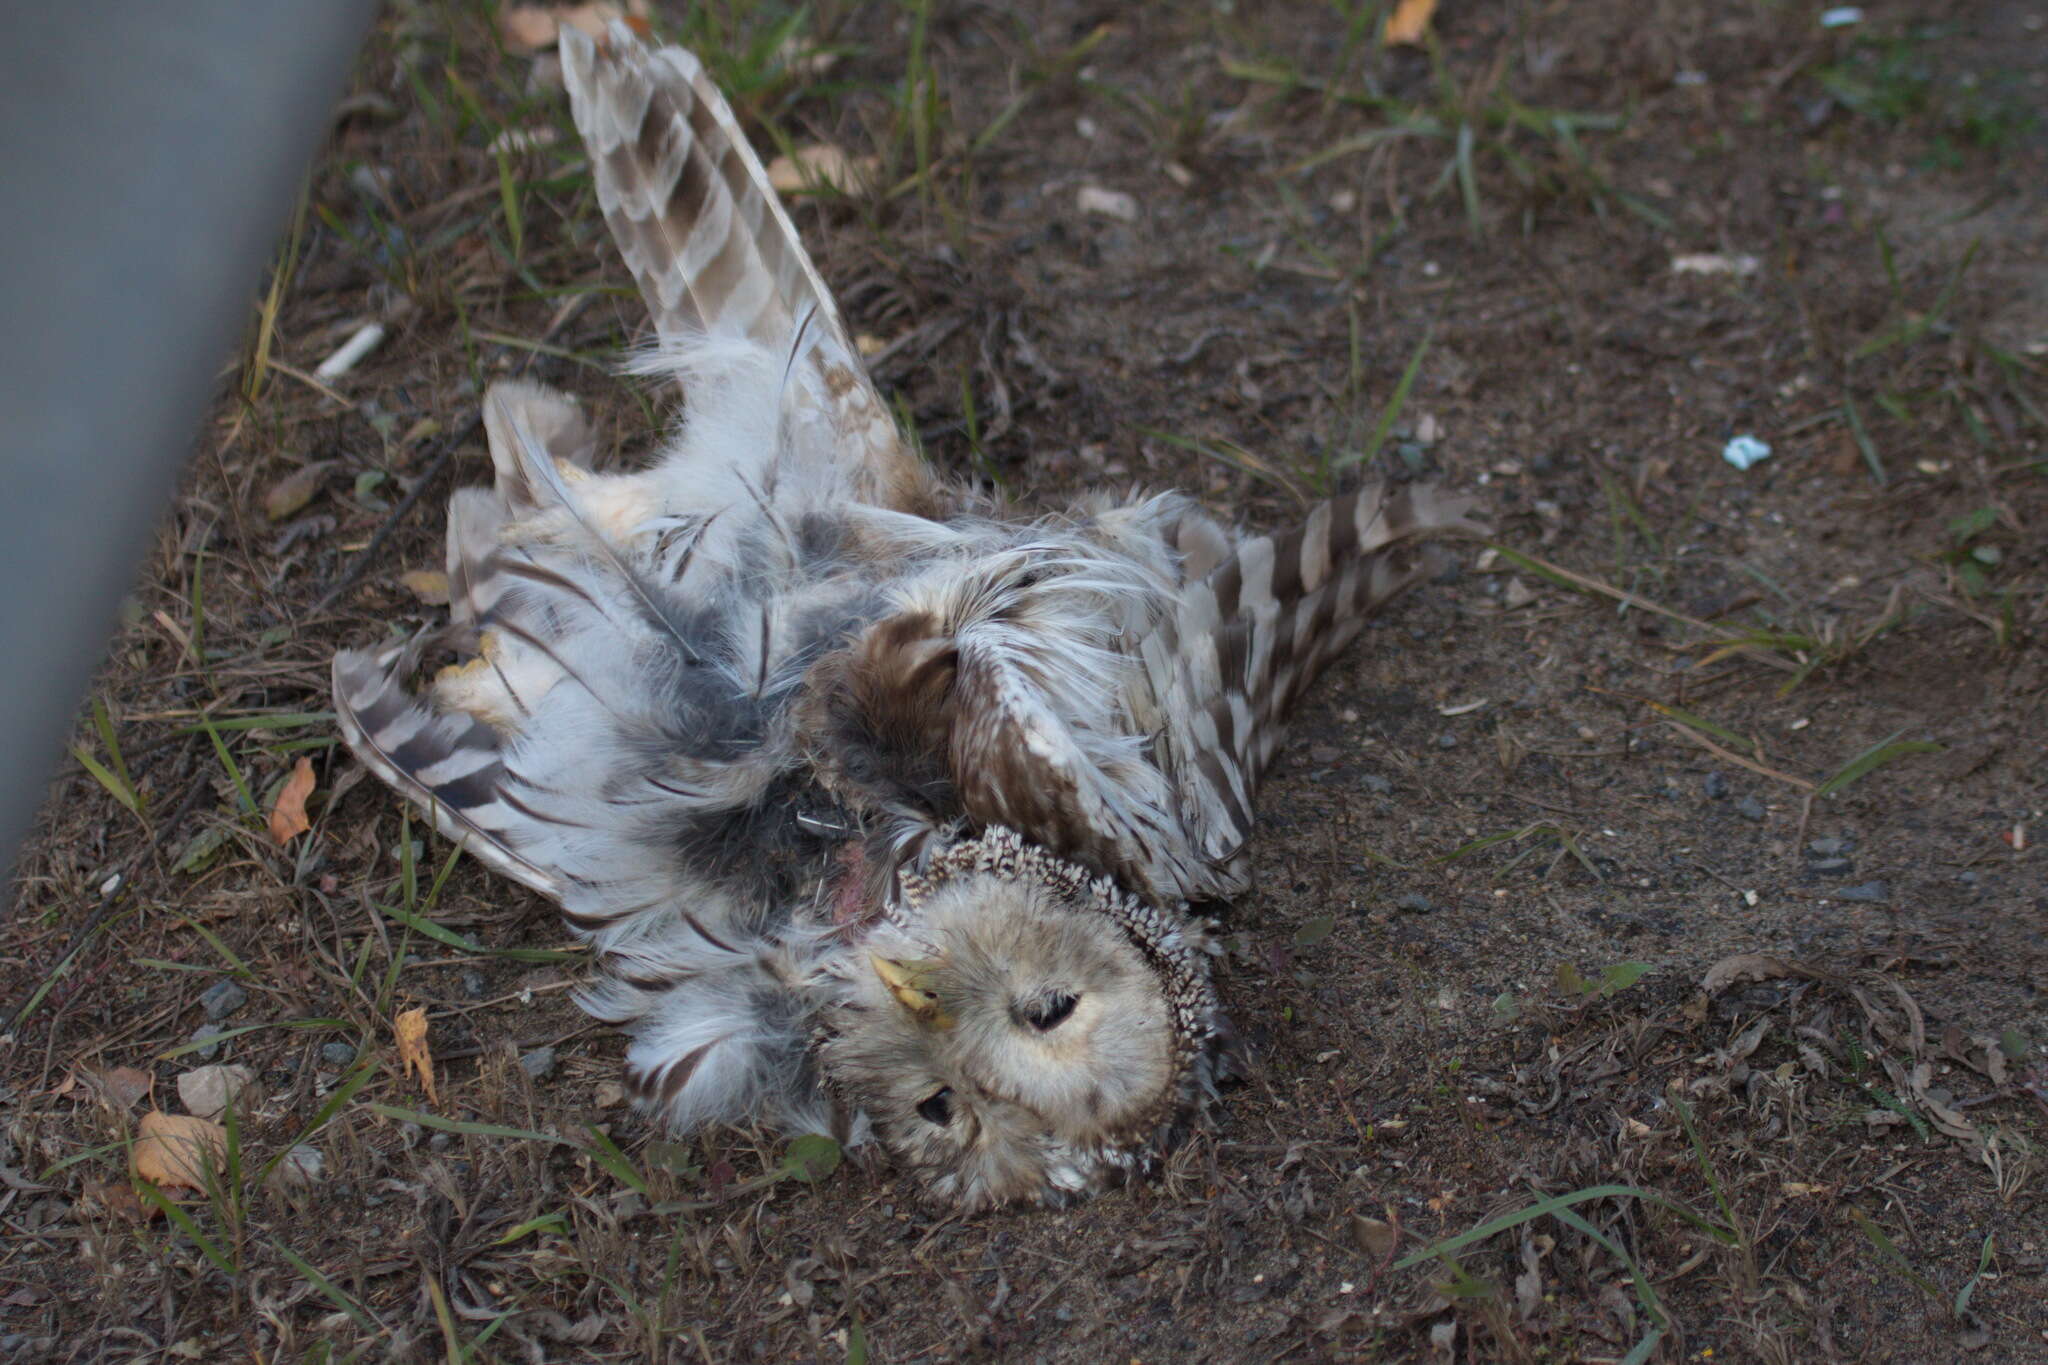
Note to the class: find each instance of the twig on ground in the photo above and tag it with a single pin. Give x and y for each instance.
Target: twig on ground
(361, 565)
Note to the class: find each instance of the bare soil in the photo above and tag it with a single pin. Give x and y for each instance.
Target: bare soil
(1515, 831)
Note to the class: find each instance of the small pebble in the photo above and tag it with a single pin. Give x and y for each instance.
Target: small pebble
(410, 1133)
(1377, 785)
(1749, 808)
(1830, 867)
(221, 999)
(539, 1064)
(338, 1055)
(440, 1142)
(1829, 848)
(1869, 891)
(1414, 903)
(1447, 741)
(473, 983)
(211, 1052)
(1715, 785)
(302, 1165)
(1968, 877)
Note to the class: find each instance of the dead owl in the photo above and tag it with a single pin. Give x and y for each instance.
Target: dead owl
(879, 810)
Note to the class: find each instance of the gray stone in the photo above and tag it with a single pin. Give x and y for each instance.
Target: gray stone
(1715, 785)
(1830, 867)
(1415, 903)
(1446, 741)
(539, 1064)
(211, 1052)
(221, 999)
(1749, 808)
(338, 1055)
(1869, 891)
(1829, 848)
(1377, 785)
(440, 1142)
(473, 983)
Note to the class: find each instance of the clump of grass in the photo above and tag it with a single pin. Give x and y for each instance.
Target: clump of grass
(1478, 130)
(1895, 81)
(1564, 1208)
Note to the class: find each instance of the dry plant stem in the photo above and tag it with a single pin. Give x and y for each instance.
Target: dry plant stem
(1626, 598)
(1732, 757)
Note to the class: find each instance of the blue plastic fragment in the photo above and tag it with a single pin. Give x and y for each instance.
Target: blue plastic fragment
(1744, 451)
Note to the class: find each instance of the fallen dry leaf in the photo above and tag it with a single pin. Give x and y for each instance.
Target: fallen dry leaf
(1740, 967)
(117, 1197)
(1408, 25)
(413, 1053)
(295, 489)
(429, 585)
(288, 815)
(823, 165)
(178, 1151)
(121, 1086)
(529, 28)
(1373, 1236)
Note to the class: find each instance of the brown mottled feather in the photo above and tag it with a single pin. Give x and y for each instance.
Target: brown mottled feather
(709, 242)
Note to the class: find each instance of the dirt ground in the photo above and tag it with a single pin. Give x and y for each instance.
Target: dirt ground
(1602, 1004)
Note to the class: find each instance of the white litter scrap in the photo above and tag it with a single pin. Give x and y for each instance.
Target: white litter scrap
(1841, 16)
(1744, 451)
(1108, 203)
(1714, 263)
(366, 339)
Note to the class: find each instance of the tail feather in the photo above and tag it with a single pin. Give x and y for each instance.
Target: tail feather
(1246, 641)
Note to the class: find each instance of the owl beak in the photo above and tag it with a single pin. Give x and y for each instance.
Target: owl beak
(910, 982)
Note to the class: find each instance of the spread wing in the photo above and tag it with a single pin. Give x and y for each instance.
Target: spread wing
(712, 248)
(1245, 641)
(613, 735)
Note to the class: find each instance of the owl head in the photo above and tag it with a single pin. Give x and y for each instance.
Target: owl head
(1022, 1031)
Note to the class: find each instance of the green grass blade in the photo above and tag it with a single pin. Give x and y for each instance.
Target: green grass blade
(498, 1130)
(183, 1222)
(227, 760)
(1468, 178)
(1545, 1207)
(546, 1222)
(329, 1290)
(1885, 751)
(112, 781)
(1697, 722)
(104, 723)
(1890, 1251)
(337, 1100)
(1968, 1291)
(508, 197)
(170, 1054)
(606, 1153)
(1392, 412)
(1871, 458)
